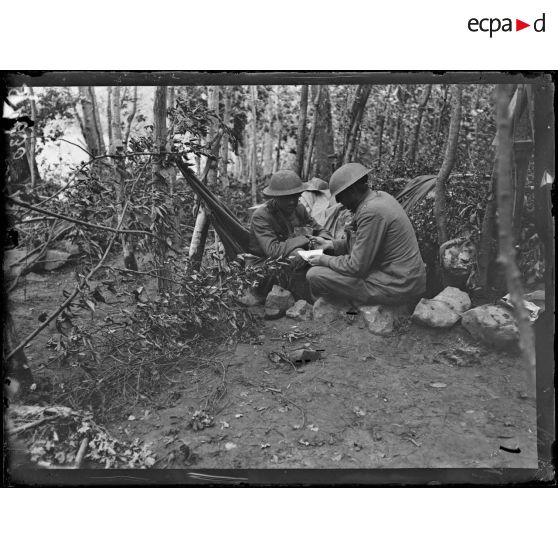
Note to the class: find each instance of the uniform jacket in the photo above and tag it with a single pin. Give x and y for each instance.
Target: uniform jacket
(381, 248)
(272, 235)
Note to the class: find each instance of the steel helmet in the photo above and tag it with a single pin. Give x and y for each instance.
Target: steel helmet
(284, 183)
(346, 176)
(316, 185)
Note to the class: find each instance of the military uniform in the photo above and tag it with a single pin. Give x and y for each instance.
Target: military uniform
(378, 262)
(274, 235)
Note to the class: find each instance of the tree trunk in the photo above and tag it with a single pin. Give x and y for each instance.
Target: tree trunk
(159, 187)
(357, 111)
(116, 147)
(201, 228)
(506, 257)
(253, 158)
(324, 136)
(312, 140)
(32, 140)
(90, 123)
(447, 165)
(109, 120)
(131, 116)
(416, 130)
(279, 134)
(544, 175)
(224, 155)
(487, 242)
(382, 118)
(301, 135)
(176, 236)
(267, 152)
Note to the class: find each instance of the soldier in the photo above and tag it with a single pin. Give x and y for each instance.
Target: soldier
(281, 227)
(378, 261)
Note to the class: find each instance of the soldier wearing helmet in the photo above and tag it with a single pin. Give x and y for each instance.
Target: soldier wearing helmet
(281, 226)
(378, 261)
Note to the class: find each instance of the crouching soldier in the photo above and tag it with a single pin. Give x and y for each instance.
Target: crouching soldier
(378, 262)
(280, 228)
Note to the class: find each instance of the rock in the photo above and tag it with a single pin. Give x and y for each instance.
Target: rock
(53, 259)
(456, 299)
(272, 313)
(301, 311)
(279, 298)
(536, 297)
(435, 313)
(68, 246)
(381, 319)
(249, 299)
(35, 277)
(325, 310)
(491, 324)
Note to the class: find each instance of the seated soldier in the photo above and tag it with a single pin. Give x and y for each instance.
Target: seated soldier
(281, 227)
(378, 262)
(315, 199)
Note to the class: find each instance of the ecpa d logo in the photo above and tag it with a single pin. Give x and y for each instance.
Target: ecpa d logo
(492, 25)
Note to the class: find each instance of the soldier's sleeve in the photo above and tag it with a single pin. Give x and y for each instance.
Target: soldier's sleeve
(268, 241)
(311, 222)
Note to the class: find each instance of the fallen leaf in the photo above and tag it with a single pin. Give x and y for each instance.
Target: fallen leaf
(313, 428)
(224, 424)
(131, 417)
(438, 385)
(238, 416)
(359, 412)
(296, 426)
(263, 446)
(230, 446)
(337, 457)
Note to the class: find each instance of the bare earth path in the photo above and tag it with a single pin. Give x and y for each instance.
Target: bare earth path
(370, 402)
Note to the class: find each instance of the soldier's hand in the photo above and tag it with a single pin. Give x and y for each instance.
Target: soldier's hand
(317, 259)
(317, 242)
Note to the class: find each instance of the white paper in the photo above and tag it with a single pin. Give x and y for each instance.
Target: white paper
(305, 254)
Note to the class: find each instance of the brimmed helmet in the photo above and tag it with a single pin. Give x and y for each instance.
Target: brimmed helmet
(316, 185)
(284, 183)
(346, 176)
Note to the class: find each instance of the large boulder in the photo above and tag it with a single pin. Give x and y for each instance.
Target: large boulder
(491, 324)
(301, 311)
(381, 319)
(280, 299)
(54, 259)
(327, 311)
(435, 313)
(456, 299)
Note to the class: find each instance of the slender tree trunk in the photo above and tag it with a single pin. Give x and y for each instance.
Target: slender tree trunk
(505, 232)
(89, 122)
(301, 135)
(160, 186)
(447, 165)
(324, 136)
(382, 118)
(312, 139)
(267, 152)
(109, 120)
(177, 239)
(357, 111)
(32, 140)
(487, 242)
(279, 123)
(201, 228)
(416, 130)
(253, 158)
(116, 147)
(130, 118)
(224, 156)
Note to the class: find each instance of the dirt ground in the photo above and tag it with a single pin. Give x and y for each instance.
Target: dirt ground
(369, 402)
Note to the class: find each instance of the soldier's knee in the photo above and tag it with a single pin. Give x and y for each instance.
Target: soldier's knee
(314, 275)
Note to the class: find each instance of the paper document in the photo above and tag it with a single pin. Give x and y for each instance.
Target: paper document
(304, 254)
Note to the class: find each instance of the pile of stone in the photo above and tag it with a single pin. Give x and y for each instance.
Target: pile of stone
(444, 310)
(490, 323)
